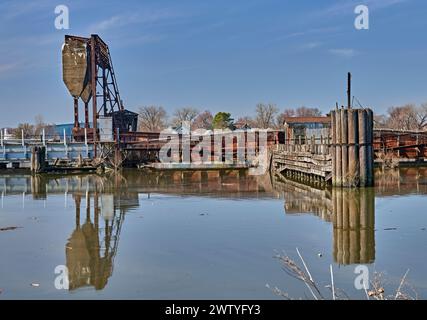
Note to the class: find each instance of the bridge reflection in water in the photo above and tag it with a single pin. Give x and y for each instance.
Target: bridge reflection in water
(101, 204)
(350, 211)
(92, 246)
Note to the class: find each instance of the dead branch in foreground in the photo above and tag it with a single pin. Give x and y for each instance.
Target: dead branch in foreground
(376, 292)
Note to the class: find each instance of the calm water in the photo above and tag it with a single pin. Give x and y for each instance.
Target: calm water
(204, 235)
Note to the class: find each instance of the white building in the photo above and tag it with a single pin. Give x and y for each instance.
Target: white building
(6, 134)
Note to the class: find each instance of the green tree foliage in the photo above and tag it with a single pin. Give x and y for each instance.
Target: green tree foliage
(223, 120)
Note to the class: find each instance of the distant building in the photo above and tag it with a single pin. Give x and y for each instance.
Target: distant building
(305, 127)
(242, 125)
(183, 128)
(68, 127)
(7, 133)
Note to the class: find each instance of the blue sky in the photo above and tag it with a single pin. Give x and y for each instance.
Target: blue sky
(218, 55)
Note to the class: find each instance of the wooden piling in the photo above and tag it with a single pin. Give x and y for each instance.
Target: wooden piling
(353, 149)
(338, 154)
(332, 148)
(363, 140)
(370, 147)
(38, 159)
(344, 148)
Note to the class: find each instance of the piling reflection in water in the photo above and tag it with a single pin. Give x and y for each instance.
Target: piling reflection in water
(354, 224)
(101, 202)
(350, 211)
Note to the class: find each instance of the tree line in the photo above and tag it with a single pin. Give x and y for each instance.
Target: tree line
(33, 130)
(267, 115)
(406, 117)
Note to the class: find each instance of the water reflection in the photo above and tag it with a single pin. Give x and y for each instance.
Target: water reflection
(215, 183)
(351, 212)
(354, 223)
(92, 246)
(102, 202)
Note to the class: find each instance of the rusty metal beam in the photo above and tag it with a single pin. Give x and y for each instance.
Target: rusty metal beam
(76, 113)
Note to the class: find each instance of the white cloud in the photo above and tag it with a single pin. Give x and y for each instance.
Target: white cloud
(343, 52)
(347, 7)
(311, 45)
(10, 10)
(314, 31)
(5, 68)
(116, 21)
(125, 19)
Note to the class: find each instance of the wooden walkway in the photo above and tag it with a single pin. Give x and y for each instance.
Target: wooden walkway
(307, 162)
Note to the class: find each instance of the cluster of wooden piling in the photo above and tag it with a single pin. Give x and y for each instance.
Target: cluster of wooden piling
(352, 147)
(354, 225)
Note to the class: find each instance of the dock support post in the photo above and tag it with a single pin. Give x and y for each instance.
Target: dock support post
(44, 142)
(370, 147)
(353, 149)
(65, 145)
(3, 144)
(362, 149)
(38, 160)
(23, 144)
(333, 147)
(338, 153)
(344, 146)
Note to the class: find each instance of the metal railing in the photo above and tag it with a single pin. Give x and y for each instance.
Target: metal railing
(56, 146)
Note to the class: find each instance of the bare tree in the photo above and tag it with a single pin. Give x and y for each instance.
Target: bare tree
(39, 124)
(380, 121)
(265, 115)
(308, 112)
(406, 117)
(288, 113)
(421, 116)
(184, 114)
(203, 121)
(25, 128)
(403, 117)
(246, 120)
(152, 118)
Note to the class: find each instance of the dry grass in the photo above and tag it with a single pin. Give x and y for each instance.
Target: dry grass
(377, 289)
(388, 159)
